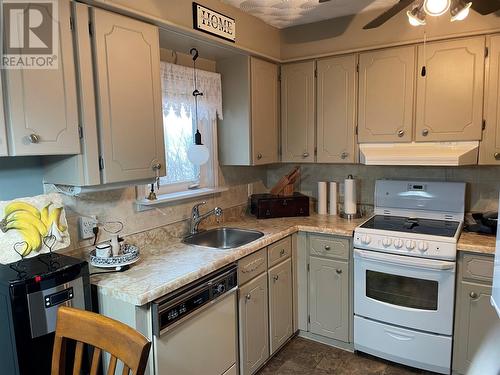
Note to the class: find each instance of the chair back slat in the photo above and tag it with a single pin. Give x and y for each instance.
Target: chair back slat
(96, 356)
(105, 335)
(126, 370)
(77, 364)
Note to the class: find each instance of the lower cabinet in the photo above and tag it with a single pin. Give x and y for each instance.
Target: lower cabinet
(329, 298)
(475, 317)
(280, 304)
(254, 324)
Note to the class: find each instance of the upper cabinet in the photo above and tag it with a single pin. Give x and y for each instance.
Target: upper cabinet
(130, 122)
(386, 85)
(489, 150)
(450, 90)
(298, 112)
(3, 135)
(336, 116)
(248, 134)
(43, 114)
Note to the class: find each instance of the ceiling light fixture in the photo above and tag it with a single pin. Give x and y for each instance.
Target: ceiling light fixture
(460, 10)
(436, 7)
(416, 16)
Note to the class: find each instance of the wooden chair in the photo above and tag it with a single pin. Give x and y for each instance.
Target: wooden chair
(104, 334)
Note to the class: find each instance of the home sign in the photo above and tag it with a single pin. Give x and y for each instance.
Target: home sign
(212, 22)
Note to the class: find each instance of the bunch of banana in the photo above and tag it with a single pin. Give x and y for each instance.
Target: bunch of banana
(33, 224)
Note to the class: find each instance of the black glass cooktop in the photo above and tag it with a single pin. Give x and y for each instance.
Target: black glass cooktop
(413, 225)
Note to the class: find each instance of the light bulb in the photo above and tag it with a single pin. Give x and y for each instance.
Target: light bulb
(460, 11)
(198, 154)
(436, 7)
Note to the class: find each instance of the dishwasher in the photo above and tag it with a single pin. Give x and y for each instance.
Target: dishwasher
(195, 328)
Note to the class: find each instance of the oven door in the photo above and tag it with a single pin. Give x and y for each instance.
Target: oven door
(406, 291)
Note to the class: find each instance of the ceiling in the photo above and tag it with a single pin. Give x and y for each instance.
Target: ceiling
(286, 13)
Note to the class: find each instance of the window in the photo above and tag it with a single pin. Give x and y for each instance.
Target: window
(179, 126)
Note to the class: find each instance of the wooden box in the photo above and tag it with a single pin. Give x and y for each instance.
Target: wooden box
(266, 206)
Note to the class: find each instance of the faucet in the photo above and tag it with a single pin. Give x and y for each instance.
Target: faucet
(196, 218)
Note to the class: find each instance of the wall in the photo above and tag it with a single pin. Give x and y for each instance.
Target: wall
(483, 183)
(346, 33)
(20, 177)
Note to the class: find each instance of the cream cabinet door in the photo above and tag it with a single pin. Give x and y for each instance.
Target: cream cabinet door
(450, 90)
(336, 103)
(127, 64)
(297, 112)
(489, 148)
(264, 76)
(254, 325)
(43, 109)
(3, 134)
(386, 86)
(280, 304)
(329, 298)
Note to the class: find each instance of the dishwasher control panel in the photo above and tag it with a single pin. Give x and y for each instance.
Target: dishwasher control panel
(170, 310)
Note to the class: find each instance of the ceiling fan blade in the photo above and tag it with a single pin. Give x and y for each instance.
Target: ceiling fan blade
(485, 7)
(384, 17)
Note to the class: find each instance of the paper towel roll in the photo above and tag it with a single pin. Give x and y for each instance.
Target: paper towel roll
(350, 204)
(322, 198)
(332, 205)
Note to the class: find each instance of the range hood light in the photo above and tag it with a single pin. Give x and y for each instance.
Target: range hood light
(460, 10)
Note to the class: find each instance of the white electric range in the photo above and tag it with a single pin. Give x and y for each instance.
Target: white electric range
(404, 273)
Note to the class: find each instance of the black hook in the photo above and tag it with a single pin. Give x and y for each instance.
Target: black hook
(196, 54)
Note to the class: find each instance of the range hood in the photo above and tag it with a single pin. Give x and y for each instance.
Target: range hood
(420, 153)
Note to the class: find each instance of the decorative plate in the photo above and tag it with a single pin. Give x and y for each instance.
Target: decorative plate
(128, 254)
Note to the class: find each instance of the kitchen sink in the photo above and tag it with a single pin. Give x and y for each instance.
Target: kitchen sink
(223, 238)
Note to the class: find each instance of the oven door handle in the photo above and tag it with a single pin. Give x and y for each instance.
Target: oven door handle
(405, 260)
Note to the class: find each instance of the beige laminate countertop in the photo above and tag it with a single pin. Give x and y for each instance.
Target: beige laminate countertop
(165, 267)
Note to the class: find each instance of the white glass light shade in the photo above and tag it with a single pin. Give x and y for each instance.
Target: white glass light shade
(416, 17)
(460, 11)
(198, 154)
(436, 7)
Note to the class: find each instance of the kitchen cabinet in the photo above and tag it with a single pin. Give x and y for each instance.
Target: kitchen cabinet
(3, 134)
(329, 298)
(474, 315)
(248, 134)
(298, 112)
(489, 148)
(386, 86)
(254, 324)
(335, 108)
(129, 101)
(43, 115)
(450, 90)
(280, 304)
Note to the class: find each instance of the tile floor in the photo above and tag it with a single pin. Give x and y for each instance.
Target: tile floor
(301, 356)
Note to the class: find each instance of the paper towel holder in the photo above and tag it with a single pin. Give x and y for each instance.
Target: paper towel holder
(347, 216)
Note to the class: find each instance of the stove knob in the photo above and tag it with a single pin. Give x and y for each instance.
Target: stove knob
(221, 288)
(366, 239)
(423, 246)
(387, 242)
(410, 245)
(398, 244)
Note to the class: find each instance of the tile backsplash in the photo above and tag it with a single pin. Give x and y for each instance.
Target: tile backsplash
(483, 182)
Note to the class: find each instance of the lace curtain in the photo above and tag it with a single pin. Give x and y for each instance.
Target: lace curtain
(178, 86)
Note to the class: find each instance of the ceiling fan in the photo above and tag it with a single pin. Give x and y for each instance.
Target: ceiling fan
(459, 10)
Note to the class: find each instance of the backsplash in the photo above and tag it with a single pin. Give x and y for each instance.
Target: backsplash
(483, 182)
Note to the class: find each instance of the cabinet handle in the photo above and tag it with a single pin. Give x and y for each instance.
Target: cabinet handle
(339, 271)
(327, 247)
(282, 252)
(305, 154)
(259, 156)
(425, 132)
(401, 133)
(34, 138)
(275, 278)
(497, 155)
(248, 297)
(473, 295)
(344, 155)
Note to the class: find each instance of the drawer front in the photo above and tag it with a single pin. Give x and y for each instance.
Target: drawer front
(279, 251)
(252, 265)
(477, 267)
(330, 247)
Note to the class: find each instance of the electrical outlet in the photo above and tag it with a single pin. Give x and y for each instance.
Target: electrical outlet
(86, 225)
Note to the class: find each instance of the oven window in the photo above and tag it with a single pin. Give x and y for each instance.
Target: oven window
(402, 290)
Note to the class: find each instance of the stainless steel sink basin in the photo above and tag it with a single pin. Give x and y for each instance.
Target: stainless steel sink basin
(223, 238)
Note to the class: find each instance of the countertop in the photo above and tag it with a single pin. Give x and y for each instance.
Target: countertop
(164, 268)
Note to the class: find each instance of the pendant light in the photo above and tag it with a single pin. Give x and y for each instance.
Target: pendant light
(416, 16)
(436, 7)
(460, 10)
(197, 153)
